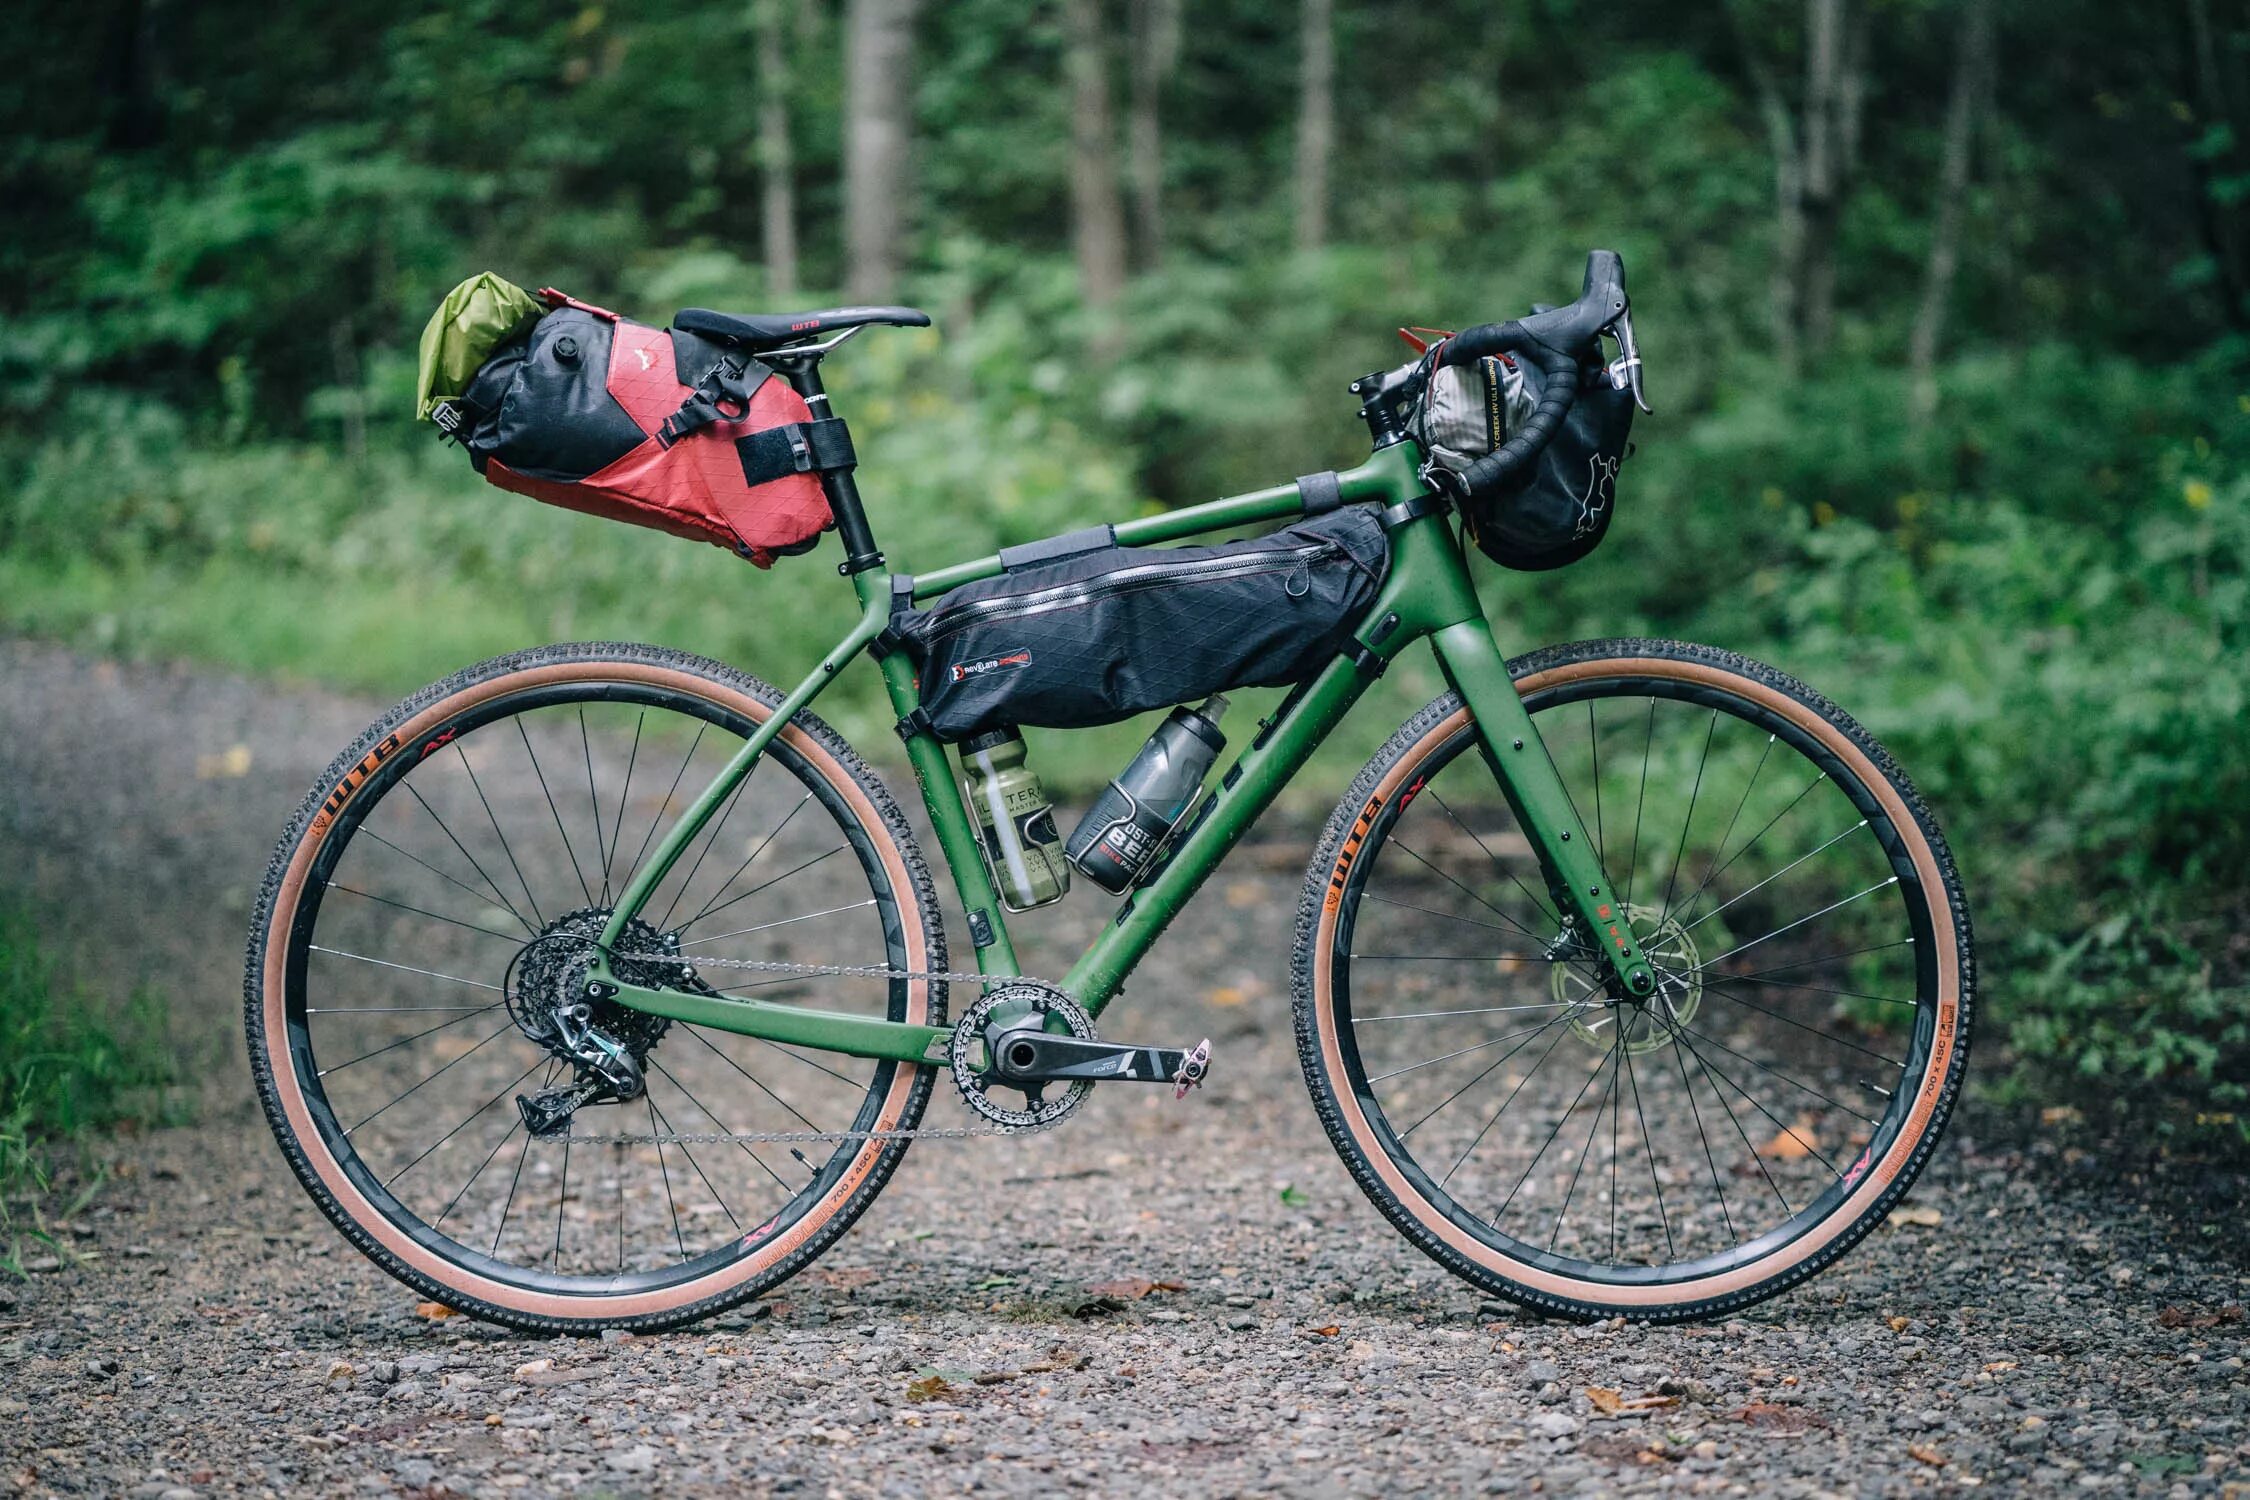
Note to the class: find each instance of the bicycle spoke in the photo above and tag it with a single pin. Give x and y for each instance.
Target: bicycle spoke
(442, 875)
(1720, 848)
(474, 864)
(1490, 1069)
(1538, 904)
(494, 819)
(1770, 879)
(653, 823)
(514, 1182)
(1431, 911)
(1825, 958)
(617, 825)
(1756, 1159)
(569, 849)
(1408, 849)
(1482, 1010)
(1459, 958)
(1463, 1052)
(784, 875)
(1791, 1130)
(1671, 881)
(506, 937)
(784, 922)
(1721, 991)
(710, 842)
(404, 968)
(497, 1146)
(689, 1151)
(1726, 1214)
(708, 908)
(1818, 989)
(466, 1015)
(1640, 806)
(1793, 926)
(748, 1077)
(1671, 1249)
(562, 1197)
(1752, 842)
(1588, 1149)
(586, 744)
(447, 1068)
(456, 1130)
(1478, 1139)
(1594, 742)
(1560, 1120)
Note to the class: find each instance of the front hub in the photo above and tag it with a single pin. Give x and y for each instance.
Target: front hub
(1646, 1022)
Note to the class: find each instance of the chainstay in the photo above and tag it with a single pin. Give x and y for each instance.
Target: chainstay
(821, 1137)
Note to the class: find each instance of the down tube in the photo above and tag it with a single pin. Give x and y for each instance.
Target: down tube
(1264, 769)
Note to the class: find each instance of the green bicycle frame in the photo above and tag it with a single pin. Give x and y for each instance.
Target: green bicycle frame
(1427, 595)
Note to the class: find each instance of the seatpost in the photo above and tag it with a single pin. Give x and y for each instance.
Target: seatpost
(860, 552)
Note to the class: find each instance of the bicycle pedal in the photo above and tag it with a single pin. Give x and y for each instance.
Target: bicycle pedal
(1193, 1068)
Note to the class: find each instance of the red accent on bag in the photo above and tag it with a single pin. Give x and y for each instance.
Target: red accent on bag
(696, 487)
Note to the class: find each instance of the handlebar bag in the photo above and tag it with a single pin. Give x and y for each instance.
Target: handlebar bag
(1558, 507)
(597, 413)
(1080, 632)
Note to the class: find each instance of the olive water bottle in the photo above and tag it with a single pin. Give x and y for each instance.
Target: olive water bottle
(1014, 821)
(1122, 833)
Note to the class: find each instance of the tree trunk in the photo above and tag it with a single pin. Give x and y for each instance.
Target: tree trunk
(1835, 45)
(778, 215)
(1097, 216)
(2222, 226)
(878, 135)
(1316, 119)
(1972, 71)
(1155, 26)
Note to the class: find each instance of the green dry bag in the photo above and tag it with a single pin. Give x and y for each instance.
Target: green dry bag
(476, 318)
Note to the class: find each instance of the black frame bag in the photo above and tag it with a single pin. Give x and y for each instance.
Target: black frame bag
(1080, 631)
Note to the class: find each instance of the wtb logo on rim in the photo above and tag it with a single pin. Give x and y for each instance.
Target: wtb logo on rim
(963, 671)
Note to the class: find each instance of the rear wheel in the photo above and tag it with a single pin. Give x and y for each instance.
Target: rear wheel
(431, 909)
(1593, 1154)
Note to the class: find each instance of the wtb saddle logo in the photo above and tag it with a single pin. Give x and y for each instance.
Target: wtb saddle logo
(963, 671)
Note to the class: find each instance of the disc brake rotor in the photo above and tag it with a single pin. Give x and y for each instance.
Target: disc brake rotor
(1648, 1023)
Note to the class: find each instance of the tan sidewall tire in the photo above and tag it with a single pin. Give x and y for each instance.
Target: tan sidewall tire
(265, 993)
(1424, 1222)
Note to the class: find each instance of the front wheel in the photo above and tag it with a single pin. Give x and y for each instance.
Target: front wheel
(1671, 1157)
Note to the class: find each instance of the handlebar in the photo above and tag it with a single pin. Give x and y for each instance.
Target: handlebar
(1556, 340)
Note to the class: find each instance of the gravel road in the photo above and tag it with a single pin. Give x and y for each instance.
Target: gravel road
(1186, 1298)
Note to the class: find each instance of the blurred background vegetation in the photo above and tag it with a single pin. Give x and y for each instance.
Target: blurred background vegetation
(1945, 302)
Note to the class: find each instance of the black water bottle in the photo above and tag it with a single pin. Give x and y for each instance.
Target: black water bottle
(1118, 839)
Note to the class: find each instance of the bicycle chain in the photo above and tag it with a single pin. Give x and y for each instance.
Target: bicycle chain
(808, 1137)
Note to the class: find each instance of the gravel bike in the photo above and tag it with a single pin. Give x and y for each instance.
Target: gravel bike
(604, 986)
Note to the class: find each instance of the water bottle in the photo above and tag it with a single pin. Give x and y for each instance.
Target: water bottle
(1122, 834)
(1014, 821)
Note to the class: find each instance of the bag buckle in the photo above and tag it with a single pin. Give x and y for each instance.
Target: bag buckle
(447, 415)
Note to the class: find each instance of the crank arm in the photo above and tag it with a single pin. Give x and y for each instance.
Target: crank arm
(1041, 1057)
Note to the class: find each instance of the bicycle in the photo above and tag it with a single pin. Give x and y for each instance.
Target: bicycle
(1513, 925)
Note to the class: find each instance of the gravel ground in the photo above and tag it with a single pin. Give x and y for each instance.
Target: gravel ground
(1132, 1302)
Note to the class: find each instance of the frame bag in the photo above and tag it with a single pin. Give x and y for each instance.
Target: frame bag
(596, 413)
(1559, 507)
(1080, 631)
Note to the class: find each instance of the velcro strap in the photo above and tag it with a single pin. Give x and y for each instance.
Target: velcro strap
(797, 448)
(1069, 544)
(1320, 493)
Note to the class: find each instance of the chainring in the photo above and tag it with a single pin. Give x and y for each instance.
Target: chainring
(974, 1039)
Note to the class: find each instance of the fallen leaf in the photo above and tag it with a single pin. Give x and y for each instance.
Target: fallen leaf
(2060, 1114)
(341, 1370)
(928, 1388)
(1326, 1331)
(1227, 994)
(1925, 1454)
(2198, 1317)
(1134, 1288)
(1293, 1196)
(435, 1312)
(1604, 1399)
(844, 1277)
(1898, 1324)
(1772, 1417)
(1792, 1143)
(991, 1283)
(1610, 1403)
(1921, 1215)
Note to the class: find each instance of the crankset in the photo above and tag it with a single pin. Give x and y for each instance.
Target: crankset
(1026, 1056)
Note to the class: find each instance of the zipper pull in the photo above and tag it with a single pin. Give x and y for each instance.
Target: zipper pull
(1302, 570)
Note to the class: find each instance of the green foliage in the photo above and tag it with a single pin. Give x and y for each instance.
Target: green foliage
(64, 1070)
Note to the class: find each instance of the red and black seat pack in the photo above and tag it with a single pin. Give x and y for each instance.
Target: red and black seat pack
(659, 427)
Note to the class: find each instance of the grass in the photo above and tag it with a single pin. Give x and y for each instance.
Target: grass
(67, 1071)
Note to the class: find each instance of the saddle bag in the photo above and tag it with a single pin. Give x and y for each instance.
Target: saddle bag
(1080, 631)
(1559, 507)
(593, 412)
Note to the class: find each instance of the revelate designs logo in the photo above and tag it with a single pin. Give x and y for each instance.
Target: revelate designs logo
(1601, 486)
(963, 671)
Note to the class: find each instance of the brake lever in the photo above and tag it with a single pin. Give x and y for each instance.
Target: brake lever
(1625, 371)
